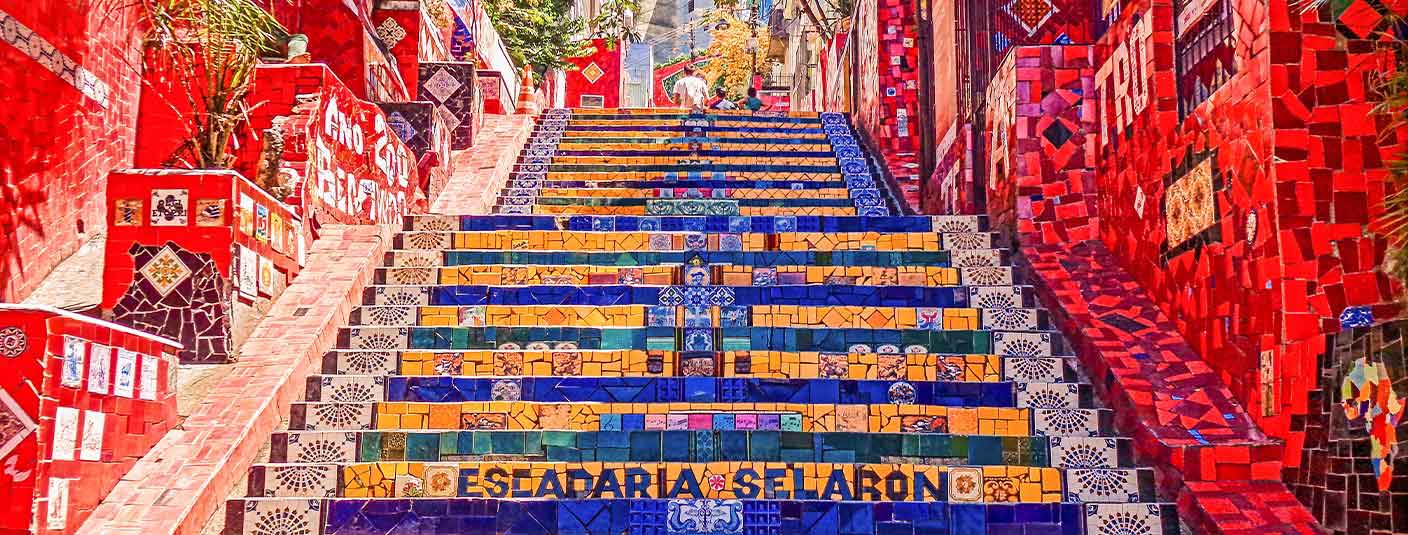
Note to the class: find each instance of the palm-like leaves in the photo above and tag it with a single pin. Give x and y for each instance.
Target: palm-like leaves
(211, 47)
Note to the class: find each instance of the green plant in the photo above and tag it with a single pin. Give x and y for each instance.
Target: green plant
(1393, 89)
(208, 49)
(541, 33)
(615, 22)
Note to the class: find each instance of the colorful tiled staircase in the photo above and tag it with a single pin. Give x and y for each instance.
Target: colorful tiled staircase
(698, 324)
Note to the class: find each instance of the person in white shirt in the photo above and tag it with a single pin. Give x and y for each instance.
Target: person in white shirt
(723, 103)
(691, 91)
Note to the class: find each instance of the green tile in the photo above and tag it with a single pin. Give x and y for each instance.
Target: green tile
(370, 448)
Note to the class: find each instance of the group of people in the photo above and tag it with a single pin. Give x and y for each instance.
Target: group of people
(691, 91)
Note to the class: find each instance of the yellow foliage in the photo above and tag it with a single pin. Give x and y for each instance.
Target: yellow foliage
(731, 61)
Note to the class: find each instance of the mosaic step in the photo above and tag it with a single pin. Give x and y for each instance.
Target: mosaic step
(672, 296)
(568, 240)
(368, 388)
(898, 260)
(683, 324)
(763, 224)
(836, 317)
(646, 363)
(417, 269)
(723, 479)
(653, 517)
(706, 339)
(650, 445)
(509, 413)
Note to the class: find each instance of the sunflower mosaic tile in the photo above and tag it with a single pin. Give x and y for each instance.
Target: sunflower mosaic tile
(688, 324)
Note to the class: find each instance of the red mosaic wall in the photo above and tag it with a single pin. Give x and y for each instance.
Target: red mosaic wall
(108, 395)
(1244, 204)
(598, 74)
(887, 94)
(413, 36)
(1041, 156)
(185, 247)
(68, 118)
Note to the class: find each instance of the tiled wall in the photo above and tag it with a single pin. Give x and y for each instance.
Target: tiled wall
(82, 401)
(185, 251)
(1353, 471)
(887, 105)
(1041, 154)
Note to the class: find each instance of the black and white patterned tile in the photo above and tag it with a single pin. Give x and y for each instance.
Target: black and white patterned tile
(1022, 344)
(362, 362)
(1084, 452)
(313, 447)
(1048, 395)
(1068, 422)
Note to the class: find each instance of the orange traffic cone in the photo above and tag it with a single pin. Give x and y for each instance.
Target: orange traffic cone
(527, 105)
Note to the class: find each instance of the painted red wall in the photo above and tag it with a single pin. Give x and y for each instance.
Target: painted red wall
(606, 84)
(340, 36)
(56, 144)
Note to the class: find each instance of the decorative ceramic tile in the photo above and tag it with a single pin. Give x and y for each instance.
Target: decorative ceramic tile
(31, 44)
(210, 212)
(13, 342)
(409, 486)
(75, 350)
(441, 481)
(300, 480)
(390, 32)
(1011, 319)
(1084, 452)
(1033, 369)
(351, 389)
(268, 275)
(91, 446)
(127, 212)
(56, 517)
(15, 424)
(261, 223)
(147, 385)
(99, 368)
(338, 416)
(1102, 485)
(967, 240)
(165, 271)
(365, 362)
(126, 373)
(401, 295)
(388, 316)
(1011, 344)
(704, 516)
(1048, 395)
(1066, 422)
(282, 517)
(376, 338)
(995, 296)
(965, 484)
(247, 280)
(986, 276)
(977, 258)
(1120, 519)
(65, 433)
(170, 207)
(321, 447)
